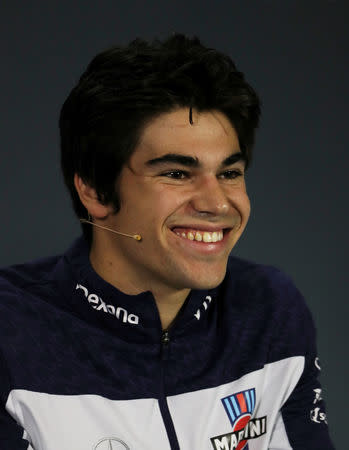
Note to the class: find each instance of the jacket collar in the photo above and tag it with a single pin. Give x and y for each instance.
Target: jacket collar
(130, 316)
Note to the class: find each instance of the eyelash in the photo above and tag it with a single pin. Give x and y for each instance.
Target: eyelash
(237, 174)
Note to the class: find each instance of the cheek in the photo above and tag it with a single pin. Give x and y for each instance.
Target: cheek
(247, 206)
(165, 205)
(166, 198)
(151, 204)
(243, 205)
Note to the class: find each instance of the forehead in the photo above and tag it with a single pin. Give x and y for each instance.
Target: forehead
(210, 137)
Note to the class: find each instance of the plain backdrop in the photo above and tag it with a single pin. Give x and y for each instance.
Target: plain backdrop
(294, 53)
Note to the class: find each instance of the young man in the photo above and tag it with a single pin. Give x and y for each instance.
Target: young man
(147, 333)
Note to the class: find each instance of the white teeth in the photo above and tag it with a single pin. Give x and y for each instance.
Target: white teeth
(204, 236)
(207, 237)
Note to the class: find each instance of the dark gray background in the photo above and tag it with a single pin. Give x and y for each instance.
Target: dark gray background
(295, 54)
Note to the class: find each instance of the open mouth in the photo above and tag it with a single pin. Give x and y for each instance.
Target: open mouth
(202, 236)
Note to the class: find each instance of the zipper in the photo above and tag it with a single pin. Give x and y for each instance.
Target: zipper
(165, 340)
(165, 412)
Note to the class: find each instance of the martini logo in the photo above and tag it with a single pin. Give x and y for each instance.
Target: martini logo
(239, 408)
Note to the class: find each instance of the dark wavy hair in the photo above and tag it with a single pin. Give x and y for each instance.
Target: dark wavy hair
(124, 88)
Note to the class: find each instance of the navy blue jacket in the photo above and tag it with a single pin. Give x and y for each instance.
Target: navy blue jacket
(83, 366)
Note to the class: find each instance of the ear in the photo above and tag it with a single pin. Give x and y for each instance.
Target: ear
(89, 199)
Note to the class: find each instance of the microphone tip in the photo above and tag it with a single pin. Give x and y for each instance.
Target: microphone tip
(138, 237)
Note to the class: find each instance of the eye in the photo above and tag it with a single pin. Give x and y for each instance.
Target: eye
(176, 174)
(231, 174)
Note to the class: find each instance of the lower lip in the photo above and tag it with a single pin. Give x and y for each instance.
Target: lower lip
(205, 248)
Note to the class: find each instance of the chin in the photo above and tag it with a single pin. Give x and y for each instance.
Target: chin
(207, 282)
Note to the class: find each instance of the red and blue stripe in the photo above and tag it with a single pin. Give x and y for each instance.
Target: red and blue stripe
(239, 404)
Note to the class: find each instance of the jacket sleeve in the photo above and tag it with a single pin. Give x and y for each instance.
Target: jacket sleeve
(12, 435)
(302, 421)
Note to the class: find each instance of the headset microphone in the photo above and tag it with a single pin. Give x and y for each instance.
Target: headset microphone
(137, 237)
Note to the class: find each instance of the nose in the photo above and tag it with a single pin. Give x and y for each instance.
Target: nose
(209, 197)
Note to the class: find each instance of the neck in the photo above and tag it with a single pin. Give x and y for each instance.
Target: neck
(107, 265)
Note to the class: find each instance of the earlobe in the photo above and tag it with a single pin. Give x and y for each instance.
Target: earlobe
(89, 199)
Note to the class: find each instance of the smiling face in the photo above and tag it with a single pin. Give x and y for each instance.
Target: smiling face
(181, 178)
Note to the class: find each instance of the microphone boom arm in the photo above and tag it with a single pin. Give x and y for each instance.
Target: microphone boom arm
(137, 237)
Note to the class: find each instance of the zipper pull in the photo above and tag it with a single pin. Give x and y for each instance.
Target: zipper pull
(165, 339)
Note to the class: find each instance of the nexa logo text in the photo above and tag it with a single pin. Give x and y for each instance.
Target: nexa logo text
(98, 304)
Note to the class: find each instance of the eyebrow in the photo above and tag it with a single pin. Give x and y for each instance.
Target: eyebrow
(190, 161)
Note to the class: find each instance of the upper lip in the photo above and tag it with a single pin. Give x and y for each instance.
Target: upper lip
(208, 228)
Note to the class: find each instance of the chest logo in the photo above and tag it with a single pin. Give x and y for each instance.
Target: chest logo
(111, 443)
(240, 408)
(98, 304)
